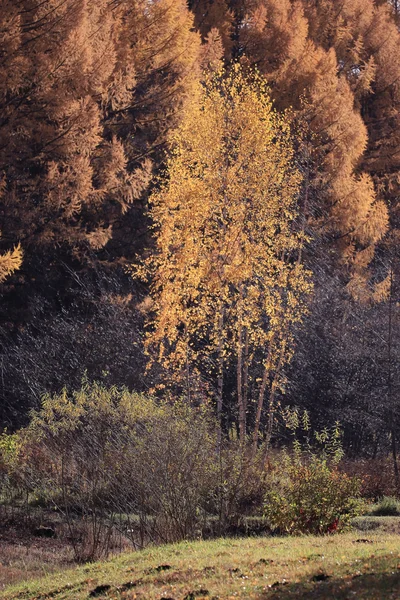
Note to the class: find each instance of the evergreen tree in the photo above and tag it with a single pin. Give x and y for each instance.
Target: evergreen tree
(82, 81)
(88, 92)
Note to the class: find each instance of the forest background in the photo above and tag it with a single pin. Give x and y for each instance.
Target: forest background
(92, 95)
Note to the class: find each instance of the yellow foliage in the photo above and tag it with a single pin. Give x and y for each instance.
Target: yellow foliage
(382, 289)
(10, 261)
(227, 248)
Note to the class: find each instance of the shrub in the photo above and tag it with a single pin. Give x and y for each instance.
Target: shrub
(242, 482)
(9, 451)
(388, 506)
(112, 459)
(308, 493)
(310, 496)
(13, 494)
(377, 476)
(173, 464)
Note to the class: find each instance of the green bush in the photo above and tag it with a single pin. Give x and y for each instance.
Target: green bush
(109, 458)
(310, 496)
(308, 493)
(388, 506)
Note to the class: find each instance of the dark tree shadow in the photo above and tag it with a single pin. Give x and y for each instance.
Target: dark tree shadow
(381, 582)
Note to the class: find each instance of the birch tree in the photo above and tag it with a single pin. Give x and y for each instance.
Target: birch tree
(227, 282)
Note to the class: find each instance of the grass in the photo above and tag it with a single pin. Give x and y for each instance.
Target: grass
(335, 567)
(388, 506)
(378, 524)
(24, 556)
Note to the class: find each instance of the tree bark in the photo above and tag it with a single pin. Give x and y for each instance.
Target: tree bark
(260, 405)
(239, 380)
(246, 370)
(220, 380)
(271, 404)
(261, 397)
(390, 386)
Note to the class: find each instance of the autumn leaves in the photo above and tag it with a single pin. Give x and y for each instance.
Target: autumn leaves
(228, 284)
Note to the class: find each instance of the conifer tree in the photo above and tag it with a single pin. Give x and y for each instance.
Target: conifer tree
(305, 74)
(215, 15)
(88, 92)
(366, 40)
(83, 84)
(68, 117)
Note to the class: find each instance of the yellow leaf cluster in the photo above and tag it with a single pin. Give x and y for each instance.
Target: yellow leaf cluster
(9, 262)
(227, 246)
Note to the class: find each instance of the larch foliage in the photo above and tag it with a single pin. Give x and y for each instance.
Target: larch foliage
(212, 51)
(316, 64)
(87, 89)
(228, 284)
(52, 124)
(217, 15)
(10, 261)
(366, 39)
(306, 75)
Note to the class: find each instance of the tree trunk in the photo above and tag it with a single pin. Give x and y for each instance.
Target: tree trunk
(187, 368)
(239, 379)
(390, 386)
(220, 380)
(260, 405)
(394, 456)
(261, 397)
(246, 370)
(271, 406)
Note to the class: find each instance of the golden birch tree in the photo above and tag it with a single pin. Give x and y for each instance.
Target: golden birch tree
(228, 284)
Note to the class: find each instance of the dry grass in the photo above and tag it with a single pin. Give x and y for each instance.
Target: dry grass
(350, 565)
(23, 556)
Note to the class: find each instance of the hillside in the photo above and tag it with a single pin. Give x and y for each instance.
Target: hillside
(350, 565)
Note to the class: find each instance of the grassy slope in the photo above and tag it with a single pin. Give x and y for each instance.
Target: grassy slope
(336, 567)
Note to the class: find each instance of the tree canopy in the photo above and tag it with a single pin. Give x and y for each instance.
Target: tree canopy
(228, 279)
(235, 151)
